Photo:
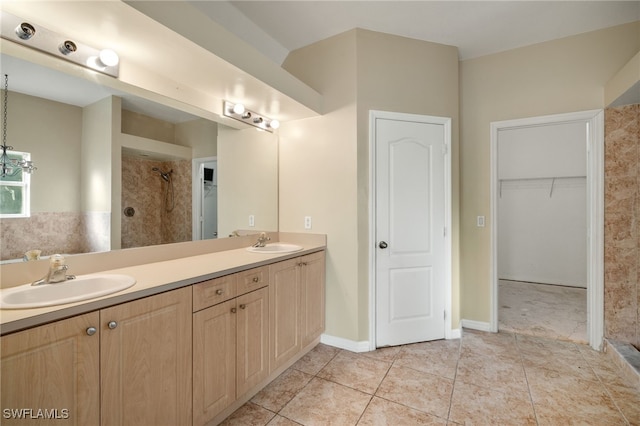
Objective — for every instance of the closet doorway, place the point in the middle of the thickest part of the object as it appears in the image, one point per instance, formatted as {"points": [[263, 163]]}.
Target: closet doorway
{"points": [[547, 233]]}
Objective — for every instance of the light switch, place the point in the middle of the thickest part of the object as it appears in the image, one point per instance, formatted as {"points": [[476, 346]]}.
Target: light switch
{"points": [[480, 221]]}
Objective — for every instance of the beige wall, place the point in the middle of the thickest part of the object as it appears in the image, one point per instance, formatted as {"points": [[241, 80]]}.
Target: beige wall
{"points": [[318, 173], [411, 76], [560, 76], [247, 180], [324, 162], [52, 133]]}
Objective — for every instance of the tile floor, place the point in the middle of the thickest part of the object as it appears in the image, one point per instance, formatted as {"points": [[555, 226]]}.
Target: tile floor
{"points": [[481, 379], [543, 310]]}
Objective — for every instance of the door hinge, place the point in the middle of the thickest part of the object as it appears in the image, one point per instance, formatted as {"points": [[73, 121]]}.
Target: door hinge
{"points": [[445, 149], [444, 231], [445, 315]]}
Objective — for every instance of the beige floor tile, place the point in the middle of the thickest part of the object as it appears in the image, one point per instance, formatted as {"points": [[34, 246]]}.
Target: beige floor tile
{"points": [[484, 378], [282, 421], [489, 344], [475, 405], [564, 357], [316, 359], [502, 374], [627, 399], [381, 412], [326, 403], [439, 357], [422, 391], [384, 354], [282, 390], [543, 310], [249, 414], [558, 397], [356, 371]]}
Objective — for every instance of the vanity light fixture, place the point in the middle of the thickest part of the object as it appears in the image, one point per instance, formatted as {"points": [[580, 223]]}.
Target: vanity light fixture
{"points": [[28, 34], [240, 113], [11, 166]]}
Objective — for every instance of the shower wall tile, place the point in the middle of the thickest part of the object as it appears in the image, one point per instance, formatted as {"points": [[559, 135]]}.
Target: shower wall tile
{"points": [[142, 191], [622, 233], [145, 191], [50, 232], [176, 224]]}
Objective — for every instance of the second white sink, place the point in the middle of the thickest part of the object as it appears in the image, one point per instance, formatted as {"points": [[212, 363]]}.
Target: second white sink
{"points": [[275, 248], [84, 287]]}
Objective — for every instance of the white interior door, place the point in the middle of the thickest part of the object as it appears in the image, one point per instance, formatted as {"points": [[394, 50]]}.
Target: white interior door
{"points": [[410, 212]]}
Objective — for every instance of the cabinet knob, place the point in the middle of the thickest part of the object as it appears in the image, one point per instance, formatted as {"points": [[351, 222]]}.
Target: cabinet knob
{"points": [[219, 292], [234, 310], [112, 324], [91, 331], [256, 279], [243, 306]]}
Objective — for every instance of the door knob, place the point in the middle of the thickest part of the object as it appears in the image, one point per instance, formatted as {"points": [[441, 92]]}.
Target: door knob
{"points": [[91, 331], [112, 325], [383, 245]]}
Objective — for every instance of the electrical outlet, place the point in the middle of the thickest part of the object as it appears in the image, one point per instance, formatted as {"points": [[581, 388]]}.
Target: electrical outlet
{"points": [[480, 221], [307, 222], [252, 220]]}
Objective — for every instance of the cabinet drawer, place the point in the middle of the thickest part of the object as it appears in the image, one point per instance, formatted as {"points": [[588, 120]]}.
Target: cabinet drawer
{"points": [[212, 292], [252, 279]]}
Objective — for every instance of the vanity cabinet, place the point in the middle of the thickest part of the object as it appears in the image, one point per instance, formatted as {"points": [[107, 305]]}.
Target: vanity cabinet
{"points": [[127, 364], [296, 297], [54, 367], [145, 353], [230, 346], [312, 278]]}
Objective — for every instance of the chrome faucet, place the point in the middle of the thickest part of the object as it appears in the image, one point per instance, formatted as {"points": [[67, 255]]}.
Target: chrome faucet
{"points": [[57, 271], [262, 240]]}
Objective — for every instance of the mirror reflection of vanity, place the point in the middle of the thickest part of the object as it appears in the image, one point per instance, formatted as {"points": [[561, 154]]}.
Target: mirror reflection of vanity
{"points": [[118, 171]]}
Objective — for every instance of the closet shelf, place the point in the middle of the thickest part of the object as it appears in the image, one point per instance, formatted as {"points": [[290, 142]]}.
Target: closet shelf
{"points": [[541, 178], [552, 178]]}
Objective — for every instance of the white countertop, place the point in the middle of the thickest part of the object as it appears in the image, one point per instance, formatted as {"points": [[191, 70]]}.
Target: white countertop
{"points": [[152, 278]]}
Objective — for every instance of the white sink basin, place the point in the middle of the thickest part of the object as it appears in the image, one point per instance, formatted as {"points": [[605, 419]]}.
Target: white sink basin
{"points": [[275, 248], [83, 287]]}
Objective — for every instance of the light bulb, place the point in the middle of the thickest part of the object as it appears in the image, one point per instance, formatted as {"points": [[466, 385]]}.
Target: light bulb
{"points": [[274, 124], [109, 58], [238, 108]]}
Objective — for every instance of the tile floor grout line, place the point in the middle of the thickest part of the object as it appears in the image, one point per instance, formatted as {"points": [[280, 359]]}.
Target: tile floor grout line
{"points": [[526, 378], [606, 388], [455, 376]]}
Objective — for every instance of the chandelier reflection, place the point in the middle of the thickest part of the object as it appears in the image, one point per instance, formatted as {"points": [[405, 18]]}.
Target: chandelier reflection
{"points": [[11, 164]]}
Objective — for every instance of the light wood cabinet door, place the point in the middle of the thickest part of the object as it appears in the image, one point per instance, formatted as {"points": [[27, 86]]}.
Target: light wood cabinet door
{"points": [[214, 360], [252, 339], [312, 277], [146, 364], [284, 308], [54, 367]]}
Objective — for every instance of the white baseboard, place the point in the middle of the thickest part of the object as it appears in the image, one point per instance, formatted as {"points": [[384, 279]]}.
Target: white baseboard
{"points": [[455, 333], [349, 345], [476, 325], [364, 346]]}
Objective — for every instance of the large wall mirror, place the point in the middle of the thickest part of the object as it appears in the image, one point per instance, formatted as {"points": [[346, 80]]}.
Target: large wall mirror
{"points": [[118, 171]]}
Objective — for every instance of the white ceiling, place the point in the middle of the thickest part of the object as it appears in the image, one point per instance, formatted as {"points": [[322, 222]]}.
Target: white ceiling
{"points": [[477, 28]]}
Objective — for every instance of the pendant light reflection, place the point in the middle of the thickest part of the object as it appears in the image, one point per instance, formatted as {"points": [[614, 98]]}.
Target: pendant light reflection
{"points": [[11, 166]]}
